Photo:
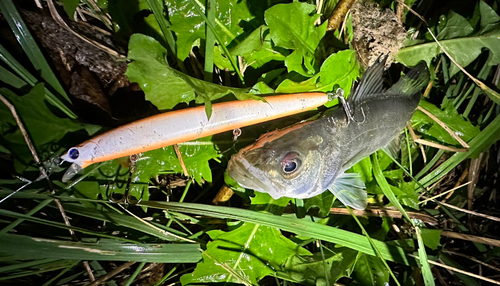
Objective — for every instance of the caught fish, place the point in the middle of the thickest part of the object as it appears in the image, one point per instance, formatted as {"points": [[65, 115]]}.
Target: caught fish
{"points": [[306, 159], [184, 125]]}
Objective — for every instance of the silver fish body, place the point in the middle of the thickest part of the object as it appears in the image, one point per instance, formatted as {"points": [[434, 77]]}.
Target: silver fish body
{"points": [[306, 159]]}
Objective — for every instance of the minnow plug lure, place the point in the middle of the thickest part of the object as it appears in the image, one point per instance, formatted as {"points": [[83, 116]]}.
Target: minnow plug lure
{"points": [[184, 125]]}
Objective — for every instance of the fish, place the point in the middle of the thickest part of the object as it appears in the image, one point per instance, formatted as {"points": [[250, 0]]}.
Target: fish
{"points": [[306, 159], [183, 125]]}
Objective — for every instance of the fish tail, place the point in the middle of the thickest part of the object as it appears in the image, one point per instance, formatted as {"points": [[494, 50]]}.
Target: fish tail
{"points": [[411, 83]]}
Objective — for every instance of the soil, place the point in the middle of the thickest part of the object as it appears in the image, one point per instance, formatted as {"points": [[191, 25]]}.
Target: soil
{"points": [[376, 32]]}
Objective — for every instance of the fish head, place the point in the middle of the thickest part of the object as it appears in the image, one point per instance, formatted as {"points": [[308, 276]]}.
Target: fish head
{"points": [[283, 165]]}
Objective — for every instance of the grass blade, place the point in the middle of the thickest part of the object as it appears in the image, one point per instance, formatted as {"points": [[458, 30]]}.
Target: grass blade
{"points": [[20, 247], [31, 80], [374, 246], [62, 264], [68, 268], [480, 143], [164, 25], [197, 5], [291, 224], [27, 264], [424, 263], [60, 225], [30, 47], [11, 79], [384, 185], [122, 220], [210, 41]]}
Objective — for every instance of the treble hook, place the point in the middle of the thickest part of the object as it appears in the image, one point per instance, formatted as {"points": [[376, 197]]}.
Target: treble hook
{"points": [[126, 197], [339, 94]]}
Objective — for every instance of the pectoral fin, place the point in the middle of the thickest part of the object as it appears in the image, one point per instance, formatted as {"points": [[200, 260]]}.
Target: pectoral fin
{"points": [[349, 188]]}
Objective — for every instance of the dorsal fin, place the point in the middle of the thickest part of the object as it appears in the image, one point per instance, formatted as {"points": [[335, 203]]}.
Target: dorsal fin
{"points": [[371, 82], [412, 82]]}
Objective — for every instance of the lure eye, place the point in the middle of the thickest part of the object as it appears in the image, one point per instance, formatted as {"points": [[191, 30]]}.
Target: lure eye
{"points": [[74, 153], [290, 164]]}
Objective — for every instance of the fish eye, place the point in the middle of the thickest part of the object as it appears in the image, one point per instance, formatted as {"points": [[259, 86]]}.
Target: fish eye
{"points": [[290, 164], [74, 153]]}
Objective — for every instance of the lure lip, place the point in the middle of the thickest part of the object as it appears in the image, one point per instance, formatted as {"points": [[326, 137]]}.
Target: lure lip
{"points": [[72, 156], [71, 172]]}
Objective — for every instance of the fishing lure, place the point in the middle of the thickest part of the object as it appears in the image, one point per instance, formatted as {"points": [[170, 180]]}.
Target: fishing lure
{"points": [[306, 159], [184, 125]]}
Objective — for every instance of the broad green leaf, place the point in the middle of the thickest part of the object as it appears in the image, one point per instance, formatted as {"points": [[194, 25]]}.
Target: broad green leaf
{"points": [[292, 27], [43, 126], [164, 86], [456, 26], [188, 30], [295, 62], [463, 49], [370, 271], [263, 201], [341, 68], [311, 270], [257, 48], [450, 116], [70, 7], [323, 201], [364, 168], [261, 88], [489, 18], [127, 19], [232, 19], [20, 247], [251, 250], [431, 237], [410, 196], [289, 86], [195, 155]]}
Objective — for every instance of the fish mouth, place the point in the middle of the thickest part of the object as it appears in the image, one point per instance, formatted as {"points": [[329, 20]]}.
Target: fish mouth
{"points": [[250, 177]]}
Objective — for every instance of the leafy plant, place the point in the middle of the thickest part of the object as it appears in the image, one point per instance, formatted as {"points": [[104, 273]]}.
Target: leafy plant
{"points": [[186, 53]]}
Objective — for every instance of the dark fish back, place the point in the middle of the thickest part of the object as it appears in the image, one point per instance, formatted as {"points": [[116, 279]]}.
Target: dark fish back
{"points": [[380, 116]]}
